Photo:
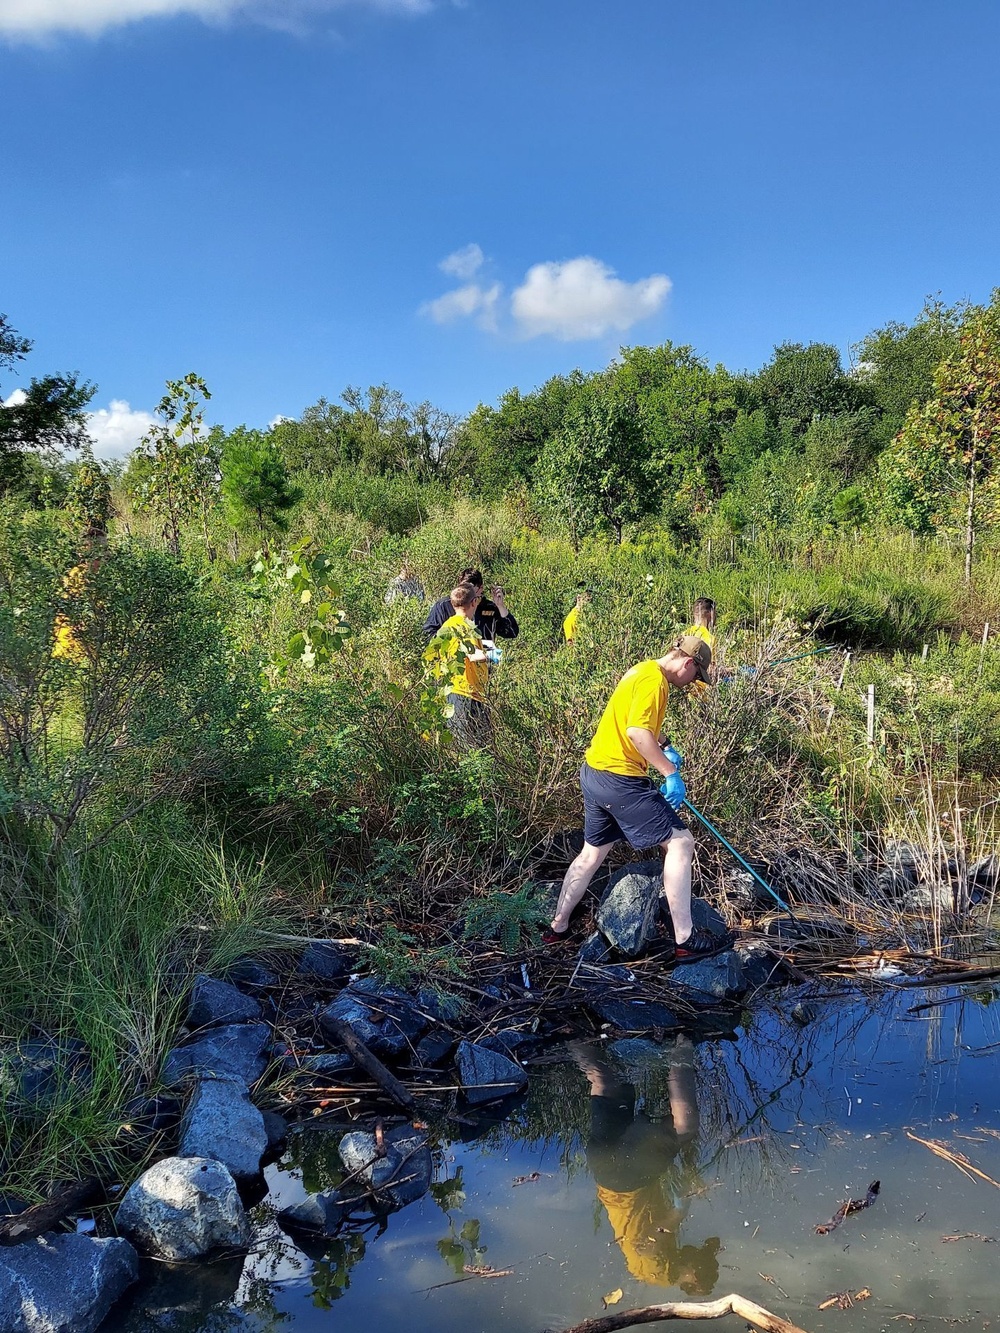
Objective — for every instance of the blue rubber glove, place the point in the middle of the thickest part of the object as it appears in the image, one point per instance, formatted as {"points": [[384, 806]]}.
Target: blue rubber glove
{"points": [[675, 758], [674, 790]]}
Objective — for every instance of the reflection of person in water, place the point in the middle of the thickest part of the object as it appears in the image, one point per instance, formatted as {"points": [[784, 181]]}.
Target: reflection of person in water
{"points": [[644, 1170]]}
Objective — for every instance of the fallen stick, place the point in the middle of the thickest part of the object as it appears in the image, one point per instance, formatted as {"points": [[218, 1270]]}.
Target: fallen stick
{"points": [[372, 1066], [956, 1158], [650, 1314], [44, 1216]]}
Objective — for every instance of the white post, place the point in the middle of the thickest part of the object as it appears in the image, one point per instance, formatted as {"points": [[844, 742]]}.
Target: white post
{"points": [[871, 714], [923, 655], [986, 632]]}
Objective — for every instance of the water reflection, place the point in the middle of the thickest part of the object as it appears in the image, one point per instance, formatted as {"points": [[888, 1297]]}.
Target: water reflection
{"points": [[643, 1158], [677, 1168]]}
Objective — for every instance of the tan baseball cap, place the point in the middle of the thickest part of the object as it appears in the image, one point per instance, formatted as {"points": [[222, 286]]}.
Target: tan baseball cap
{"points": [[699, 651]]}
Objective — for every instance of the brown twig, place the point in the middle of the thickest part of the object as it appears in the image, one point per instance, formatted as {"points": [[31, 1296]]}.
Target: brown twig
{"points": [[43, 1216], [372, 1066], [956, 1158]]}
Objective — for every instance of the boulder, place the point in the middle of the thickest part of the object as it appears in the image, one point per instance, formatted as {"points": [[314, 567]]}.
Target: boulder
{"points": [[627, 914], [34, 1073], [321, 1214], [184, 1207], [434, 1049], [326, 960], [222, 1123], [720, 978], [232, 1051], [486, 1075], [510, 1041], [402, 1173], [635, 1015], [384, 1018], [923, 899], [251, 974], [214, 1003], [594, 949], [63, 1283], [761, 965]]}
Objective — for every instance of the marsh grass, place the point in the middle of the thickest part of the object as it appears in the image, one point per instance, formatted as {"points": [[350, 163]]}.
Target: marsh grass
{"points": [[100, 950]]}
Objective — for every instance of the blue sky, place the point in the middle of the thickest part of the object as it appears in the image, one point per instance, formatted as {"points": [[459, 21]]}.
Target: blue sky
{"points": [[265, 191]]}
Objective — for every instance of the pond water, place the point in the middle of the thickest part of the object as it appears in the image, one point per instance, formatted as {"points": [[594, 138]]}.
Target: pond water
{"points": [[680, 1173]]}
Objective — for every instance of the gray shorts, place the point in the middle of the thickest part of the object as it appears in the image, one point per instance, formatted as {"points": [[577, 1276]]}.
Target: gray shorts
{"points": [[617, 807]]}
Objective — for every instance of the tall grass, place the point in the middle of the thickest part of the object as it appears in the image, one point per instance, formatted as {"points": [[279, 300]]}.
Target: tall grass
{"points": [[100, 950]]}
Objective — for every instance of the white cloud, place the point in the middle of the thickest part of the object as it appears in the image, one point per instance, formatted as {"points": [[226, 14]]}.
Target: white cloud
{"points": [[570, 300], [16, 399], [34, 19], [582, 298], [464, 263], [116, 429], [469, 302]]}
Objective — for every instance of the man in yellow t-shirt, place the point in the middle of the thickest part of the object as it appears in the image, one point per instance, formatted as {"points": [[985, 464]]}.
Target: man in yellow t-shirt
{"points": [[469, 721], [620, 801]]}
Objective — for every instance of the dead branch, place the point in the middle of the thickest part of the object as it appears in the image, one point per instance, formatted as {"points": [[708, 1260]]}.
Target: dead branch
{"points": [[372, 1066], [956, 1158], [44, 1216], [650, 1314]]}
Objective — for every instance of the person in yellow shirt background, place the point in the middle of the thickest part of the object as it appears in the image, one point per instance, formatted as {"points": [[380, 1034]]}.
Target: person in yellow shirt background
{"points": [[620, 800], [469, 721], [573, 619], [68, 643], [703, 621]]}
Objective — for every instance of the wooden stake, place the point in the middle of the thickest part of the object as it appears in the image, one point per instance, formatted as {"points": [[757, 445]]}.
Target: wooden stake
{"points": [[651, 1314], [871, 714], [986, 632], [923, 655], [372, 1066]]}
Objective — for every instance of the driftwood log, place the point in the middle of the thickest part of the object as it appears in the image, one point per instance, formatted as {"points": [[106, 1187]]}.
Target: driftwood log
{"points": [[42, 1217], [650, 1314], [372, 1066]]}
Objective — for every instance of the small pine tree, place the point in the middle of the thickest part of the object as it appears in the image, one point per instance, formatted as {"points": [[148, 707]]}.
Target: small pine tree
{"points": [[256, 491]]}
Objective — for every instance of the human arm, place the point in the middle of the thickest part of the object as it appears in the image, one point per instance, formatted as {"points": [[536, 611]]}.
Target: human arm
{"points": [[506, 626], [646, 744], [436, 617]]}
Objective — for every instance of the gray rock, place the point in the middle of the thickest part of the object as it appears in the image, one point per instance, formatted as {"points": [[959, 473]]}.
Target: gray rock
{"points": [[635, 1015], [276, 1129], [34, 1074], [705, 917], [761, 965], [628, 911], [927, 898], [233, 1051], [383, 1018], [434, 1049], [510, 1040], [486, 1075], [803, 1014], [222, 1123], [403, 1174], [721, 977], [638, 1055], [324, 1065], [214, 1003], [325, 960], [63, 1283], [182, 1208], [252, 974], [594, 948], [320, 1213]]}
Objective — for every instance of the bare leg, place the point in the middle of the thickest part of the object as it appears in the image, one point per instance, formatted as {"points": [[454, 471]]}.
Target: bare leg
{"points": [[577, 878], [678, 855], [683, 1090]]}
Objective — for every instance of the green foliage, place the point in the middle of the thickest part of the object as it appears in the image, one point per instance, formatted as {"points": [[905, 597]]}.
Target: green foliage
{"points": [[256, 492], [88, 496], [49, 417], [307, 573], [173, 473], [508, 917]]}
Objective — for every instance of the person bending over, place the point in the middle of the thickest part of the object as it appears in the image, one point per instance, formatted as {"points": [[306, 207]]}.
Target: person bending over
{"points": [[703, 621], [493, 619], [620, 800]]}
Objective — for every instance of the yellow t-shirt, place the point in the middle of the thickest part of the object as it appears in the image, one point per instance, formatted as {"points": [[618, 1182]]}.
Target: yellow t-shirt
{"points": [[639, 700], [66, 641], [701, 632], [569, 624], [471, 682], [645, 1228]]}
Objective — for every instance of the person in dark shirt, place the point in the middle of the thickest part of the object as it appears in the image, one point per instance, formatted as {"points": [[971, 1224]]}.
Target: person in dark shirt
{"points": [[493, 619]]}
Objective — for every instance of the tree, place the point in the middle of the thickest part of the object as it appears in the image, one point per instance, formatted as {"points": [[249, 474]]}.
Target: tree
{"points": [[48, 417], [256, 491], [177, 466], [801, 382], [596, 471], [949, 446]]}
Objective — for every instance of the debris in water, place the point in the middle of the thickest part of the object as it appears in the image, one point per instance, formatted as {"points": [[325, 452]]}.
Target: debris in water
{"points": [[843, 1300], [847, 1207], [970, 1235], [527, 1180], [613, 1297], [956, 1158]]}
